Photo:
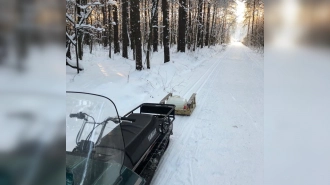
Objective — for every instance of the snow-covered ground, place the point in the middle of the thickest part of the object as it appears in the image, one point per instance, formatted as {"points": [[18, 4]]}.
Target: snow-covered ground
{"points": [[222, 141]]}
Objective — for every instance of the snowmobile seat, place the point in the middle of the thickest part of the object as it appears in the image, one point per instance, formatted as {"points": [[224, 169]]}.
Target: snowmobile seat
{"points": [[138, 135], [135, 135]]}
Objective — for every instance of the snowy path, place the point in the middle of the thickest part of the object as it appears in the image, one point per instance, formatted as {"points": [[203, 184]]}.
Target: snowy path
{"points": [[222, 141]]}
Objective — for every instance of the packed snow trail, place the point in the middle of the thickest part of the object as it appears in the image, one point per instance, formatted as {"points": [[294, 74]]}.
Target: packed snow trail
{"points": [[222, 141]]}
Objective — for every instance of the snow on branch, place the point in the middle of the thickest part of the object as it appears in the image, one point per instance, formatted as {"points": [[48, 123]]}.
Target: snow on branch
{"points": [[69, 17], [71, 37], [110, 2], [82, 26], [84, 16], [83, 6], [74, 65]]}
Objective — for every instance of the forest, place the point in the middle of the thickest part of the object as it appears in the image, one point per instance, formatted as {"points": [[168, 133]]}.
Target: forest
{"points": [[145, 26]]}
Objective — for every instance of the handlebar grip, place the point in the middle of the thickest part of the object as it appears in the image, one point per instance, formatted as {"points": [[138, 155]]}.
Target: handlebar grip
{"points": [[73, 115], [128, 119], [79, 115]]}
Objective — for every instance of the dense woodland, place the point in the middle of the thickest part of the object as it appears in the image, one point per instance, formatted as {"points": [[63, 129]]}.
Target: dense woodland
{"points": [[145, 26], [254, 21]]}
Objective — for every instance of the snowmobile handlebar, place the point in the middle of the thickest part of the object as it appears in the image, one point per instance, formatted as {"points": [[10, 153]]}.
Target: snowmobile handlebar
{"points": [[81, 115], [115, 120], [78, 115]]}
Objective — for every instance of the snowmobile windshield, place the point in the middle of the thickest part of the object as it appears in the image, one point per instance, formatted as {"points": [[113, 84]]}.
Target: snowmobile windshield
{"points": [[94, 142]]}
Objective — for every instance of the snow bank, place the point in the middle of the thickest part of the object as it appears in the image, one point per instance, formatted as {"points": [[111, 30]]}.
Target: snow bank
{"points": [[117, 78]]}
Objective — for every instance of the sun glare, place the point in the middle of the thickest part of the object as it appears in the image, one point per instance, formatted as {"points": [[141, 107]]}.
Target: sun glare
{"points": [[240, 11], [240, 31]]}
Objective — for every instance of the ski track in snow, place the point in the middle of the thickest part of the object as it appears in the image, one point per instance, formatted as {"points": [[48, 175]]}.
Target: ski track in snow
{"points": [[222, 141]]}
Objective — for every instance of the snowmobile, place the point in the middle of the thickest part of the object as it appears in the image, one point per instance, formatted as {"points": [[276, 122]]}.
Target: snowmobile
{"points": [[103, 148]]}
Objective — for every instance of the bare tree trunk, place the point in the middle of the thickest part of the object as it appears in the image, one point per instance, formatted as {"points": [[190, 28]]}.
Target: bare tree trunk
{"points": [[203, 23], [115, 30], [212, 26], [124, 27], [135, 8], [155, 25], [182, 26], [254, 7], [172, 23], [207, 30], [132, 29], [196, 28], [175, 28], [166, 31], [80, 34], [145, 28], [200, 24], [152, 20], [104, 38], [109, 29], [160, 36], [189, 32], [91, 39]]}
